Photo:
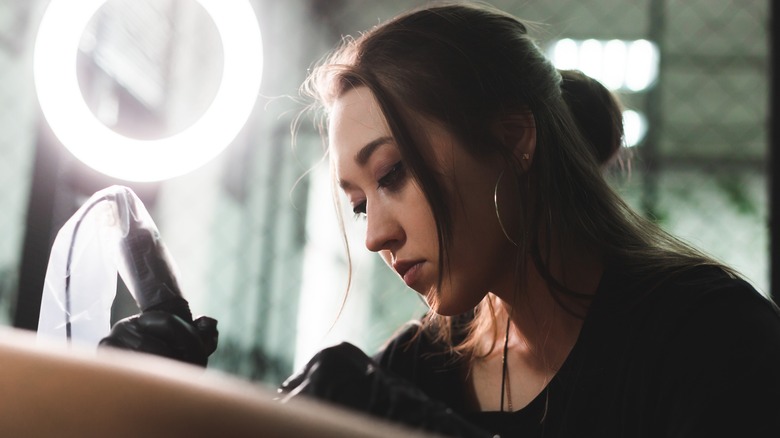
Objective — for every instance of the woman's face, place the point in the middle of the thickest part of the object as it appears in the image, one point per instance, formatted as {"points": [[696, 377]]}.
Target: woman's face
{"points": [[400, 223]]}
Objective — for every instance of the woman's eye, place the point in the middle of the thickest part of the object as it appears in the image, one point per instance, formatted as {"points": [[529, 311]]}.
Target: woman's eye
{"points": [[393, 177], [391, 180], [359, 210]]}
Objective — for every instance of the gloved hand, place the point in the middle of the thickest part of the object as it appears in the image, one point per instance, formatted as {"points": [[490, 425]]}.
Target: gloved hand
{"points": [[165, 334], [344, 375]]}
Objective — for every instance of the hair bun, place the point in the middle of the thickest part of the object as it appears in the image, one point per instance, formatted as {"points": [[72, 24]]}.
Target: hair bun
{"points": [[597, 112]]}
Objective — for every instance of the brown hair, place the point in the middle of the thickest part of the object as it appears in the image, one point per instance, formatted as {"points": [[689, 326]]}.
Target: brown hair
{"points": [[466, 66], [597, 112]]}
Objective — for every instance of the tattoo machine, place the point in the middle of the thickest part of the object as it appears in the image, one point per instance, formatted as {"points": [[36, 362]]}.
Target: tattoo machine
{"points": [[111, 233]]}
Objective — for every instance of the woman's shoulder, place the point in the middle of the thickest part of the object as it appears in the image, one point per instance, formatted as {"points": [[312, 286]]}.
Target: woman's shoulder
{"points": [[715, 288], [697, 307], [693, 287], [698, 343], [720, 344], [721, 298], [701, 305]]}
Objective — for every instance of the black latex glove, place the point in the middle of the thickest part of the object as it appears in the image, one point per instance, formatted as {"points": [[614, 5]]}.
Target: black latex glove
{"points": [[165, 334], [344, 375]]}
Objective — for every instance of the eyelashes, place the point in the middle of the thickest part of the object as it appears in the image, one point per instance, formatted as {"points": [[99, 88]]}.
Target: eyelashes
{"points": [[392, 180], [360, 211]]}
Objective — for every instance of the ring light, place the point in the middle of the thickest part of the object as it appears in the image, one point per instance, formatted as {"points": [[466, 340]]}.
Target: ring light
{"points": [[63, 106]]}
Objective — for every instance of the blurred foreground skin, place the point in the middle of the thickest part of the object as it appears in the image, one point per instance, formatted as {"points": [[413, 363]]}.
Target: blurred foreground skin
{"points": [[48, 391]]}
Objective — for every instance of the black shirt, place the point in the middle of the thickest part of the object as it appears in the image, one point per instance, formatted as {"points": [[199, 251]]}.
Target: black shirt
{"points": [[694, 354]]}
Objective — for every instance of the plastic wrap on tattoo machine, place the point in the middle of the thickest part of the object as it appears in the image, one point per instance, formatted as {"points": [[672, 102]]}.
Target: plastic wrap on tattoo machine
{"points": [[111, 233]]}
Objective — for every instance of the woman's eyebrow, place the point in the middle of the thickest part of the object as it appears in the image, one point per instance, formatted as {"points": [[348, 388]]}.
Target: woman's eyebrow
{"points": [[366, 151]]}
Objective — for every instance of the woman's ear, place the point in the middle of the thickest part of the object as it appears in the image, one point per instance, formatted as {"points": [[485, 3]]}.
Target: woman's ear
{"points": [[518, 132]]}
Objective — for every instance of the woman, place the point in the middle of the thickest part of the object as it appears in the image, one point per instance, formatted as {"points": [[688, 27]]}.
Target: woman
{"points": [[555, 309]]}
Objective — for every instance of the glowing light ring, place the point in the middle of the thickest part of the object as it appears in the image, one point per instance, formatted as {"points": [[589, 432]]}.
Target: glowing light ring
{"points": [[63, 106]]}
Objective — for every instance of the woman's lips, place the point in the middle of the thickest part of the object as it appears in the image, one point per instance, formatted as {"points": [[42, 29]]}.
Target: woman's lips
{"points": [[408, 270]]}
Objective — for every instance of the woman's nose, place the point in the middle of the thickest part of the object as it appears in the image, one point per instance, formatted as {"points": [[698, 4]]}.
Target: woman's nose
{"points": [[383, 230]]}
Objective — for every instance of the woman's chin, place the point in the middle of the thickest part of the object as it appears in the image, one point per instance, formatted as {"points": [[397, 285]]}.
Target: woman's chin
{"points": [[446, 302], [444, 307]]}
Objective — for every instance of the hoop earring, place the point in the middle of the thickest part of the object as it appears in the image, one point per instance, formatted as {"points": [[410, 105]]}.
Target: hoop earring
{"points": [[498, 215]]}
